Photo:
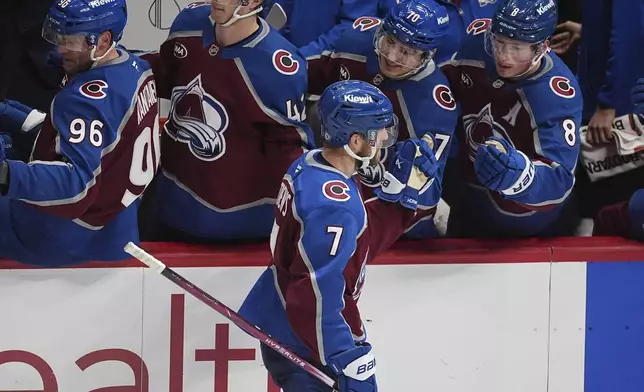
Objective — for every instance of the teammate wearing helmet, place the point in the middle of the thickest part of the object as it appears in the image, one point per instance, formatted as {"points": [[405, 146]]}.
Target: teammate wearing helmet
{"points": [[396, 54], [521, 111], [325, 234], [465, 17], [236, 95], [95, 154]]}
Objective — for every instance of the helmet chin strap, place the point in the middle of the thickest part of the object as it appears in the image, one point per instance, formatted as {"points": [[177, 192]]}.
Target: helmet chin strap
{"points": [[92, 54], [236, 15], [363, 162]]}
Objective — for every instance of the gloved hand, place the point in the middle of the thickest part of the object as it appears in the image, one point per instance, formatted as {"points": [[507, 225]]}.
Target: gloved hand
{"points": [[637, 96], [502, 168], [17, 117], [411, 171], [356, 369]]}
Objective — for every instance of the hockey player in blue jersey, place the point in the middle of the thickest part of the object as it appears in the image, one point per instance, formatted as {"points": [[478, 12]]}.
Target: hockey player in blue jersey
{"points": [[625, 219], [465, 17], [76, 199], [324, 235], [521, 113], [396, 54]]}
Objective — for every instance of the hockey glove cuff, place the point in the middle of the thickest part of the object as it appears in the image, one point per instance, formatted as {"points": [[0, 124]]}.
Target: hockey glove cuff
{"points": [[356, 369], [17, 117], [502, 168]]}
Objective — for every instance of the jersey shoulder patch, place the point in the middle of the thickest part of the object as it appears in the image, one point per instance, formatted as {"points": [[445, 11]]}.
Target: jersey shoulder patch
{"points": [[285, 62], [94, 89], [562, 87], [336, 190], [365, 23], [478, 26], [443, 97]]}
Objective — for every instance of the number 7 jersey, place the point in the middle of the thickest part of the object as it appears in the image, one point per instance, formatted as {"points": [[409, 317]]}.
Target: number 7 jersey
{"points": [[323, 237], [96, 153]]}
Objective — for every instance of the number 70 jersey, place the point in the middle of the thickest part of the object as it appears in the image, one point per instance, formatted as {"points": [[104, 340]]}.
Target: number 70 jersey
{"points": [[96, 153]]}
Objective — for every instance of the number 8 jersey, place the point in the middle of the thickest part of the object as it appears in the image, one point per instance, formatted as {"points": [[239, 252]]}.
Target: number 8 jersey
{"points": [[96, 153], [539, 115]]}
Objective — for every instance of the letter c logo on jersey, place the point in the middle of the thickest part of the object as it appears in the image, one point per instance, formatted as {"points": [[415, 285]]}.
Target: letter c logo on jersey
{"points": [[478, 26], [365, 23], [336, 190], [284, 62], [94, 89], [562, 87], [443, 97]]}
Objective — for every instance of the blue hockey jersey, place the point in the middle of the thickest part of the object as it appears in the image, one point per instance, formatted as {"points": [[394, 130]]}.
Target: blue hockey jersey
{"points": [[611, 59], [423, 102], [76, 200], [236, 123], [464, 17], [323, 237], [319, 22], [539, 115]]}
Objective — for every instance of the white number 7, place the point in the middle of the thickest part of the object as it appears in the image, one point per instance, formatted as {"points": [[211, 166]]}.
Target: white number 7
{"points": [[337, 232], [442, 144]]}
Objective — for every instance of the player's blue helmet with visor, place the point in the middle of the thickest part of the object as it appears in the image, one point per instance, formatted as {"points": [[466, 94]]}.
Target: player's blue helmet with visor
{"points": [[72, 23], [352, 106], [412, 28], [528, 22]]}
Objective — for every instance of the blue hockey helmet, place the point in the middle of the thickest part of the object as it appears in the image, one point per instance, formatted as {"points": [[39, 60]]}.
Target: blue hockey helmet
{"points": [[410, 33], [519, 31], [351, 106], [529, 21], [417, 23], [69, 22]]}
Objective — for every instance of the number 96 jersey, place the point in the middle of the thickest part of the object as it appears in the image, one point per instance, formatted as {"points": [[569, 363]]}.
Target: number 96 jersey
{"points": [[98, 150]]}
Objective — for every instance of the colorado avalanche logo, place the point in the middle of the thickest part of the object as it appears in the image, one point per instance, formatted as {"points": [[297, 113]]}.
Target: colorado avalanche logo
{"points": [[284, 62], [443, 97], [372, 176], [365, 23], [479, 127], [478, 26], [94, 89], [198, 120], [336, 190], [562, 87]]}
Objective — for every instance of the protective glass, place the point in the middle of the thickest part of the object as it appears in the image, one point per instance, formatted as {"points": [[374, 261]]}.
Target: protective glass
{"points": [[397, 52], [74, 42], [504, 48], [385, 137]]}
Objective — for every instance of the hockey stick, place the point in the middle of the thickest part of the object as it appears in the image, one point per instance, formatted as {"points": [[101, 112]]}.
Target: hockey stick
{"points": [[225, 311], [276, 17]]}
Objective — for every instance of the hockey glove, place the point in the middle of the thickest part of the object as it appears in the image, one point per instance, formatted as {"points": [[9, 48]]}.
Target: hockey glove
{"points": [[638, 97], [16, 117], [502, 168], [411, 171], [356, 370]]}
